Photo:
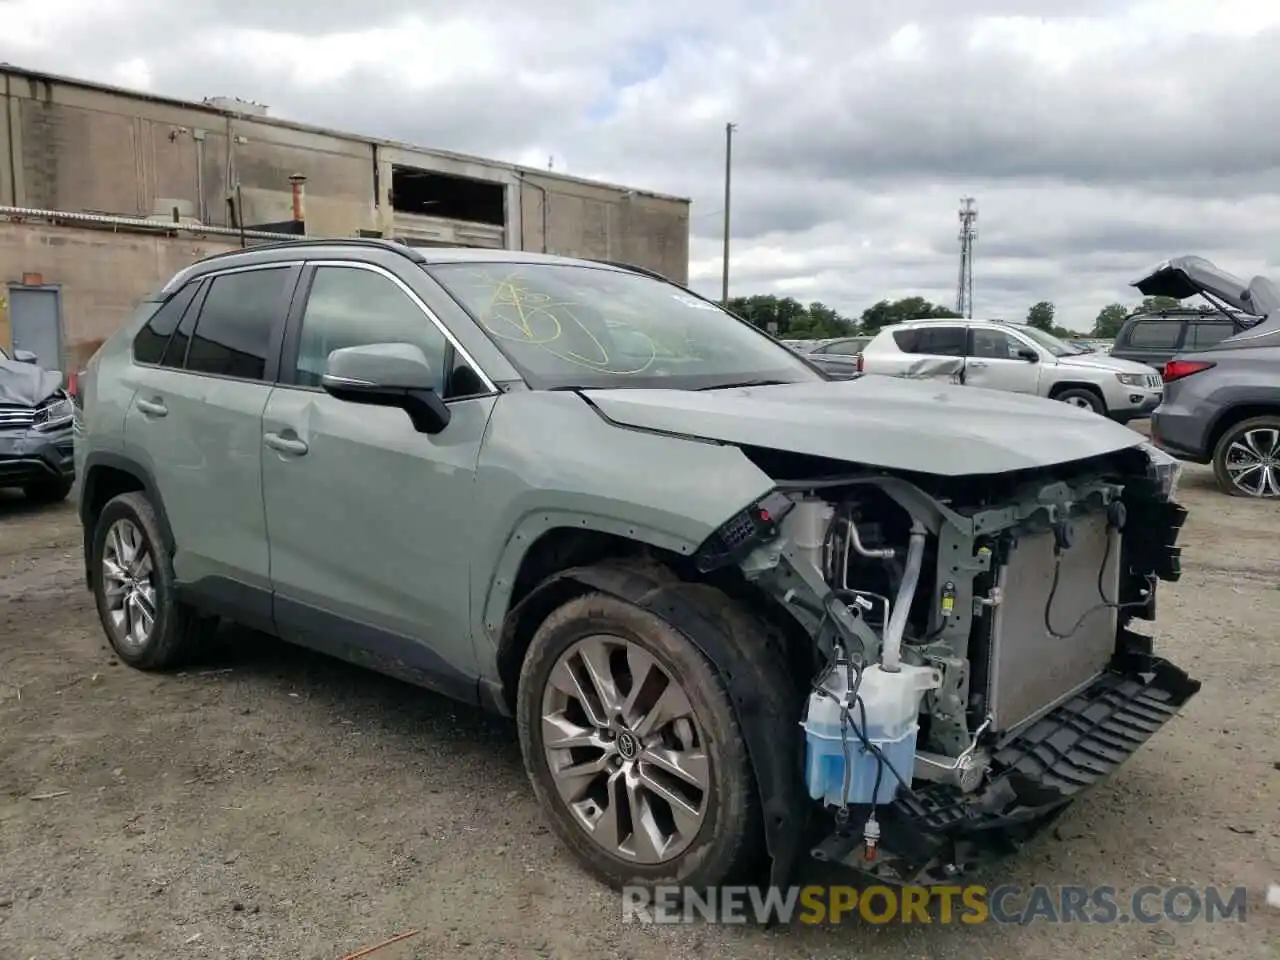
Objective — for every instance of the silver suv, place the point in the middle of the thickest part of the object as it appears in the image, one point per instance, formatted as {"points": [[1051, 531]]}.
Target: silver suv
{"points": [[1018, 358], [688, 563]]}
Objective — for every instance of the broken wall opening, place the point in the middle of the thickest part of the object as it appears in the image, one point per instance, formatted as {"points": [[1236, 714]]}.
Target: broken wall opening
{"points": [[433, 194]]}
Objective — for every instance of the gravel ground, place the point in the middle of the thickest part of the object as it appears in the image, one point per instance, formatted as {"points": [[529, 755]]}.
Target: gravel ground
{"points": [[274, 803]]}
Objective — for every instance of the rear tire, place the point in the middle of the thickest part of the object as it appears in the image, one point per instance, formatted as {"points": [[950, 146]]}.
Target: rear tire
{"points": [[47, 491], [1255, 442], [1085, 399], [709, 834], [134, 589]]}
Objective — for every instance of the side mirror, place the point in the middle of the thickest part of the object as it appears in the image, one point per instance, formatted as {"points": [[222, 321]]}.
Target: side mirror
{"points": [[25, 356], [388, 375], [1029, 355]]}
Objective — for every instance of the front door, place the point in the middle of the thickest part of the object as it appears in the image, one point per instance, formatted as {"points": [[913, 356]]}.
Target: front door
{"points": [[36, 325], [995, 362], [368, 519]]}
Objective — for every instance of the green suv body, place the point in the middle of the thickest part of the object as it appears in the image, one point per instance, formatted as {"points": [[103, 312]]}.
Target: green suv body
{"points": [[577, 494]]}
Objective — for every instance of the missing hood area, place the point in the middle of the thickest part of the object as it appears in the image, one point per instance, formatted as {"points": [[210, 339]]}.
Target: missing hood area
{"points": [[26, 384]]}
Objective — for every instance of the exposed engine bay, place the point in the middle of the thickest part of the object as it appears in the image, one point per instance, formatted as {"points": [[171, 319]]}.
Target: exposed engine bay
{"points": [[974, 667]]}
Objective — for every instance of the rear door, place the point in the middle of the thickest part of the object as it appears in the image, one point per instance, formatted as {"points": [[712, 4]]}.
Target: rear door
{"points": [[195, 420], [995, 361], [1153, 341], [933, 352]]}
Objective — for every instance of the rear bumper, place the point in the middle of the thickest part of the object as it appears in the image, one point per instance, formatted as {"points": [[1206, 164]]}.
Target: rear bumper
{"points": [[1179, 435], [940, 833], [34, 457]]}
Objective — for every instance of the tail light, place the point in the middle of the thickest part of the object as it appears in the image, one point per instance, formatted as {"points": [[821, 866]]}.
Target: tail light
{"points": [[73, 388], [1177, 369], [858, 365]]}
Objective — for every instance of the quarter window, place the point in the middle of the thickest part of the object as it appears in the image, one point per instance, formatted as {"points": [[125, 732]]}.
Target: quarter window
{"points": [[349, 307], [1205, 333], [150, 343], [233, 333]]}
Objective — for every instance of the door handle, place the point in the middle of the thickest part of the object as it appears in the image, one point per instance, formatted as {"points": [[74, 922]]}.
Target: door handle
{"points": [[290, 445], [151, 408], [977, 364]]}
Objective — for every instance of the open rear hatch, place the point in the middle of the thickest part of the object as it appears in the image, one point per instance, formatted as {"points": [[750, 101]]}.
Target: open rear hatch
{"points": [[1187, 276]]}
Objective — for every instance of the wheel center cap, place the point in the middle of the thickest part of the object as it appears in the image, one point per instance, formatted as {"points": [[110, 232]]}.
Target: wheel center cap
{"points": [[628, 745]]}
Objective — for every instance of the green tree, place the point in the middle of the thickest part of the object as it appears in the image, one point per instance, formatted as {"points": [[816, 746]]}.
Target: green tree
{"points": [[1109, 320], [884, 313], [1040, 316], [791, 319], [1156, 304]]}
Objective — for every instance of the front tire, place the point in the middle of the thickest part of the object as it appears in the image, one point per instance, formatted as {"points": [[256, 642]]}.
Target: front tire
{"points": [[633, 748], [1246, 460], [1082, 398], [135, 592]]}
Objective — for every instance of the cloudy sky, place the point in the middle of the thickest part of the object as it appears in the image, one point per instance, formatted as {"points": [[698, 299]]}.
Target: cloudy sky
{"points": [[1098, 136]]}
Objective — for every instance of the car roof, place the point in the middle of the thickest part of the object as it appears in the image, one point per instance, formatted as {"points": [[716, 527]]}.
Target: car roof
{"points": [[288, 250]]}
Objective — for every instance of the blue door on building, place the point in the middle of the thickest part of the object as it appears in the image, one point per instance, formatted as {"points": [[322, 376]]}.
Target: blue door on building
{"points": [[35, 321]]}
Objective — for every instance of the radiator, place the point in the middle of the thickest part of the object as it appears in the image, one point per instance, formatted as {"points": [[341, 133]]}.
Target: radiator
{"points": [[1030, 670]]}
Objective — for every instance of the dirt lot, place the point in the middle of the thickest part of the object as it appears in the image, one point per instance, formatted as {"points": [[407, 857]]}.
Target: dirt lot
{"points": [[273, 803]]}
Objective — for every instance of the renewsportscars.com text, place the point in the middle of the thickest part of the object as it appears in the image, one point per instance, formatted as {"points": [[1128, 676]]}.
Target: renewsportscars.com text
{"points": [[972, 904]]}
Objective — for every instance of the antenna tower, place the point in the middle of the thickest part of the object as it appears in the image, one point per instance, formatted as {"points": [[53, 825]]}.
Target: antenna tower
{"points": [[968, 233]]}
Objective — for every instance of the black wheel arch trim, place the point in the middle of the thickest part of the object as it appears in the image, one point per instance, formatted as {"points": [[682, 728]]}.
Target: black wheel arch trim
{"points": [[767, 721], [127, 465]]}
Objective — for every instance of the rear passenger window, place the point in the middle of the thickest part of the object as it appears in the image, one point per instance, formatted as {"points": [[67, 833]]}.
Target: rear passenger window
{"points": [[906, 340], [150, 342], [1162, 334], [1205, 333], [233, 333], [941, 341]]}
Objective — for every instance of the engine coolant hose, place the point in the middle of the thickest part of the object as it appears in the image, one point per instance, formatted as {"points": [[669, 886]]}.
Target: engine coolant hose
{"points": [[891, 657]]}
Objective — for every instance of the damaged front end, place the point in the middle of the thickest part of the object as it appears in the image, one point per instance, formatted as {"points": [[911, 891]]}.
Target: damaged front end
{"points": [[974, 662]]}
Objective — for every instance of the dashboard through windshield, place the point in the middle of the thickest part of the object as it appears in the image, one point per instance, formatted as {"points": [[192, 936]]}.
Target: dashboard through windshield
{"points": [[572, 325]]}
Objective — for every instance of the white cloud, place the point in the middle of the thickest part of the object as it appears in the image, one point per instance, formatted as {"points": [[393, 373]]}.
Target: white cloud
{"points": [[1098, 136]]}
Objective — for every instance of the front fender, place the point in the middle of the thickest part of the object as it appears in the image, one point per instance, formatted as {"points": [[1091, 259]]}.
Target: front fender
{"points": [[550, 461]]}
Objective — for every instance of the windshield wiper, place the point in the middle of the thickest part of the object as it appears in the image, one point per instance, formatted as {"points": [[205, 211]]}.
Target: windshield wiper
{"points": [[746, 383]]}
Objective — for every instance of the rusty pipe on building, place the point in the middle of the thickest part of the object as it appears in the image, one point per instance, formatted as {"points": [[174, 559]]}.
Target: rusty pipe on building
{"points": [[136, 223], [299, 184]]}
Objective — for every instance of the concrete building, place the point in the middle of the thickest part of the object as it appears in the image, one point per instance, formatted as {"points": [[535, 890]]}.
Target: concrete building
{"points": [[105, 192]]}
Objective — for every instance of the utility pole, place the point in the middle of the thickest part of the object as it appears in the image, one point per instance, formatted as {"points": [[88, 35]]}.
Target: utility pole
{"points": [[728, 174], [968, 233]]}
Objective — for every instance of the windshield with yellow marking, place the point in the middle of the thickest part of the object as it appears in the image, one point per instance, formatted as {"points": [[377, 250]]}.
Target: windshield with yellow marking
{"points": [[570, 325]]}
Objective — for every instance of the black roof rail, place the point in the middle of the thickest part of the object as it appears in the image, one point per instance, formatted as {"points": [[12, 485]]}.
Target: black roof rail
{"points": [[380, 243], [644, 271]]}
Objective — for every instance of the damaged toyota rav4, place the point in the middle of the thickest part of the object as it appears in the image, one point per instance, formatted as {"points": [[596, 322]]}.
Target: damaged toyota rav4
{"points": [[742, 613]]}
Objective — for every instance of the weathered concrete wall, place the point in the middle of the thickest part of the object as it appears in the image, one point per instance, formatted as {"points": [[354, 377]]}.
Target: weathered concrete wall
{"points": [[82, 149], [578, 219], [101, 275]]}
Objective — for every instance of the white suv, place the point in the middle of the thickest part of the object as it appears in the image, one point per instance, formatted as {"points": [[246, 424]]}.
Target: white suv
{"points": [[1014, 357]]}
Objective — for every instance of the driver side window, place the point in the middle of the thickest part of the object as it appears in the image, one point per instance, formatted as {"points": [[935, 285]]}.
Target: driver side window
{"points": [[351, 306]]}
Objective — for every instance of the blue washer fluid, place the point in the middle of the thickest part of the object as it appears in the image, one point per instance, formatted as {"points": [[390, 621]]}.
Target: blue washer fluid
{"points": [[892, 702]]}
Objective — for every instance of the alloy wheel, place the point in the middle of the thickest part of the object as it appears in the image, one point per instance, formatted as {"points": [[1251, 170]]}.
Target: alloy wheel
{"points": [[1253, 462], [128, 584], [625, 750]]}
